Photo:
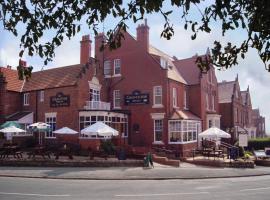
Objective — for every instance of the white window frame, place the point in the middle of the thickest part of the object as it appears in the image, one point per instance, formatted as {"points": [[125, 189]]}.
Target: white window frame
{"points": [[41, 96], [117, 66], [95, 93], [26, 98], [158, 129], [116, 98], [207, 101], [107, 69], [163, 63], [192, 127], [157, 92], [174, 94], [49, 119], [213, 102], [117, 121], [185, 100]]}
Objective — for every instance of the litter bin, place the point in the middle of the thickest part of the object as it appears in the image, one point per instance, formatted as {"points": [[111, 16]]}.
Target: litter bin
{"points": [[122, 154]]}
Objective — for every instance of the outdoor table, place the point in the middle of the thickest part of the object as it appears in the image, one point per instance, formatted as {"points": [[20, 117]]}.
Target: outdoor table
{"points": [[218, 153], [10, 150], [40, 150], [63, 152], [206, 152], [97, 153]]}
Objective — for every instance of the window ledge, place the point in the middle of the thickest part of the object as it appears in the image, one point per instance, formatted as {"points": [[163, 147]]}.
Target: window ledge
{"points": [[157, 106], [107, 76], [116, 108], [50, 137], [116, 75], [158, 143], [188, 142]]}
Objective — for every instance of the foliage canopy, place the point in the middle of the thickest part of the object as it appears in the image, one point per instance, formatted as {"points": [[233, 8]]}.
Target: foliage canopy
{"points": [[65, 18]]}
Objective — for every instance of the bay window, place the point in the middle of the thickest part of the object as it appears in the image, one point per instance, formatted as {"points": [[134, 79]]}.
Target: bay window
{"points": [[183, 131]]}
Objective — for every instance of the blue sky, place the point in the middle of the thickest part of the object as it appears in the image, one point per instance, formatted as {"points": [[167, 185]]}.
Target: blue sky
{"points": [[251, 70]]}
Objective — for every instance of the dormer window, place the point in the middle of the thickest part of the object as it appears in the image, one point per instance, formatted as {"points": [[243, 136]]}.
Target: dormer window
{"points": [[163, 63]]}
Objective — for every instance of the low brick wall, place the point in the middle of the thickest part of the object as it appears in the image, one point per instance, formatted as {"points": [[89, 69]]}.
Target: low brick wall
{"points": [[71, 163], [222, 164], [209, 163], [166, 161], [240, 164], [263, 163]]}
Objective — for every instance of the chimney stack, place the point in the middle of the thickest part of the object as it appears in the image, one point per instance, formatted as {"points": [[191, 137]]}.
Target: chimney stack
{"points": [[143, 35], [99, 40], [22, 63], [85, 49]]}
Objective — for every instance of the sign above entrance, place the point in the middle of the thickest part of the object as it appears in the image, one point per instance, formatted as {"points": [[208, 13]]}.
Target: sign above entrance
{"points": [[60, 100], [137, 98]]}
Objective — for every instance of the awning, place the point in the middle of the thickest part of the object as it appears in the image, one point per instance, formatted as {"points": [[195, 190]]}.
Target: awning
{"points": [[24, 117], [184, 114]]}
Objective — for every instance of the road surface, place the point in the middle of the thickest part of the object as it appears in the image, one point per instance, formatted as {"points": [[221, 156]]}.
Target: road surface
{"points": [[248, 188]]}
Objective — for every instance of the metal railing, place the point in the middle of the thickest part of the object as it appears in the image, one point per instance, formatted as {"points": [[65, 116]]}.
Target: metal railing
{"points": [[97, 105]]}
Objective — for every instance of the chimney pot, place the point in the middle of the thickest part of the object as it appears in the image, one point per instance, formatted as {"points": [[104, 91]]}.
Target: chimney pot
{"points": [[143, 35], [22, 63], [85, 49]]}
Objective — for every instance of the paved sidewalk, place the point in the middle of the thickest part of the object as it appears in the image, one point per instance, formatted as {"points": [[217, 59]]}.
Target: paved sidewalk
{"points": [[186, 171]]}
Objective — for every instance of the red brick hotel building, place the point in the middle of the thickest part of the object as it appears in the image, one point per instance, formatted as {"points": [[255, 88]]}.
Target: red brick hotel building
{"points": [[150, 97]]}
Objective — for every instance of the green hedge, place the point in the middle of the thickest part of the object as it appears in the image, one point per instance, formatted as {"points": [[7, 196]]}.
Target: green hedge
{"points": [[258, 144]]}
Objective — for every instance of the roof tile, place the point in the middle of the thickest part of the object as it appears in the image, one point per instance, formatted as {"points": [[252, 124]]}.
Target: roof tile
{"points": [[52, 78], [12, 79]]}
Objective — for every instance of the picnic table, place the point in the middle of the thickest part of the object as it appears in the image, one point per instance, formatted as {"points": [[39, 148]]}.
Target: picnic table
{"points": [[39, 150], [63, 152], [6, 151], [97, 153], [208, 152]]}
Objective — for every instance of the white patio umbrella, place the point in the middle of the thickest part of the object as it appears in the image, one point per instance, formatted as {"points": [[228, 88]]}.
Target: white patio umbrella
{"points": [[100, 129], [214, 133], [65, 130], [10, 130], [40, 126]]}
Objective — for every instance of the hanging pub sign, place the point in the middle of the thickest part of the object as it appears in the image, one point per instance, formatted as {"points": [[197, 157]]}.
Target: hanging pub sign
{"points": [[137, 98], [60, 100]]}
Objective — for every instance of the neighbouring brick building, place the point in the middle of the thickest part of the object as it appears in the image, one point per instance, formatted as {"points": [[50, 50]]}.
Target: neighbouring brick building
{"points": [[236, 111], [259, 122], [202, 91], [231, 107]]}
